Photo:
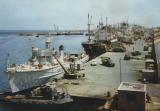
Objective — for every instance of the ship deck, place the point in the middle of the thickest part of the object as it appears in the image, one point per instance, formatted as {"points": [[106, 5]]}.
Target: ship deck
{"points": [[100, 79]]}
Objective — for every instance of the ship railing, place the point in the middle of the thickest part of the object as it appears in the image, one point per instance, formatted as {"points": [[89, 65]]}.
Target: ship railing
{"points": [[11, 65]]}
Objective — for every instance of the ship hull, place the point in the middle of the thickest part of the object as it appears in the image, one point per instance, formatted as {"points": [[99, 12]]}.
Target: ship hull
{"points": [[17, 106], [24, 80], [20, 81], [94, 49]]}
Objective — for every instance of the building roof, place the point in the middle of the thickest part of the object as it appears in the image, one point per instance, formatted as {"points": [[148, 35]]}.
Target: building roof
{"points": [[137, 87]]}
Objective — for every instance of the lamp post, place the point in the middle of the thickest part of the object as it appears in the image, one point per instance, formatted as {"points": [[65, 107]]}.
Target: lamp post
{"points": [[120, 70]]}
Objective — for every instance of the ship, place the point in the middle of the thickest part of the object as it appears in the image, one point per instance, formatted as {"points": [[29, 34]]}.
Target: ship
{"points": [[98, 42], [48, 96], [106, 38], [40, 67]]}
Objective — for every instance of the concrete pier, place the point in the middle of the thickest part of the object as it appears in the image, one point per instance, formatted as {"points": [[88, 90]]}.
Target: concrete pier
{"points": [[100, 79]]}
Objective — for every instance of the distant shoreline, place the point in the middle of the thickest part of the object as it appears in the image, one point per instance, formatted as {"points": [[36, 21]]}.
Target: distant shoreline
{"points": [[42, 32]]}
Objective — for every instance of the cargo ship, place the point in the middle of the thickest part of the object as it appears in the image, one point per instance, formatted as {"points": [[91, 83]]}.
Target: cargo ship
{"points": [[108, 38], [98, 44]]}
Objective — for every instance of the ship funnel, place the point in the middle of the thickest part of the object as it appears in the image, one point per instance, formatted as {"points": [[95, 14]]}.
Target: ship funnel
{"points": [[61, 50], [61, 47]]}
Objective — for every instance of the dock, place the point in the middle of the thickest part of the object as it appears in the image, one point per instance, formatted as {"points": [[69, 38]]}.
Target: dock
{"points": [[102, 82], [100, 79]]}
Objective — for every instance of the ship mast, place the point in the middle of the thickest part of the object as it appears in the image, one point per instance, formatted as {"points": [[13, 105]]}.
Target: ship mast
{"points": [[8, 61], [48, 41], [89, 28], [48, 46]]}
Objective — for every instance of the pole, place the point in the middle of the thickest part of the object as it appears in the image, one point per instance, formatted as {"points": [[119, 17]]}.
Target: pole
{"points": [[89, 30], [120, 71], [106, 30]]}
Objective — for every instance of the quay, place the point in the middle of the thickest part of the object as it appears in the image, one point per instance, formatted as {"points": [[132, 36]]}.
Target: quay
{"points": [[103, 83], [100, 79]]}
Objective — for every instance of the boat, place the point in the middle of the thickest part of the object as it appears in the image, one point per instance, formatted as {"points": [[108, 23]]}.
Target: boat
{"points": [[98, 45], [107, 38], [101, 42], [48, 95], [40, 67]]}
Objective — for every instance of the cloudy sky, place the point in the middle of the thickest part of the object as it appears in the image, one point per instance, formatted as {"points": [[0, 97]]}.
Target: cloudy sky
{"points": [[72, 14]]}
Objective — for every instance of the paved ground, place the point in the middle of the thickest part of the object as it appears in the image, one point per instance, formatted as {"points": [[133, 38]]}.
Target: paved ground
{"points": [[101, 79], [154, 92]]}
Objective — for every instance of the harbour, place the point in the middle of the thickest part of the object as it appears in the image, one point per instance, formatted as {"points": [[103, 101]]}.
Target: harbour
{"points": [[100, 80], [58, 56]]}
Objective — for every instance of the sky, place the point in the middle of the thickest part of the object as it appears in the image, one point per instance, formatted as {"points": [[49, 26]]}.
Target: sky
{"points": [[72, 14]]}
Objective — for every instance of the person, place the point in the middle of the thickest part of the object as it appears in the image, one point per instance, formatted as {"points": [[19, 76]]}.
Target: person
{"points": [[148, 98]]}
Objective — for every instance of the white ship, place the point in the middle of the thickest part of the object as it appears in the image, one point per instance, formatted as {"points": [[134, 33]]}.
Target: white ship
{"points": [[39, 68]]}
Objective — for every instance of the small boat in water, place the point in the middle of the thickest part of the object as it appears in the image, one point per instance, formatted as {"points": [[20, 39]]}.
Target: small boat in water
{"points": [[40, 67], [48, 95]]}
